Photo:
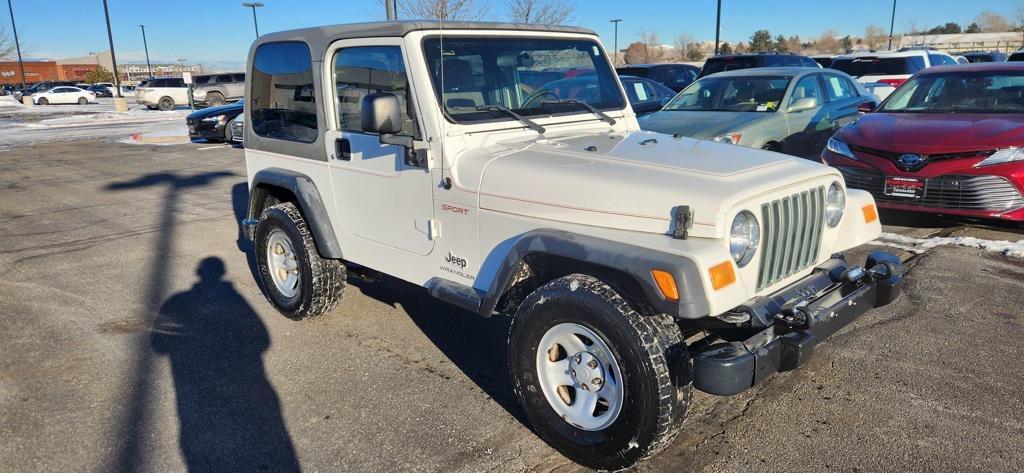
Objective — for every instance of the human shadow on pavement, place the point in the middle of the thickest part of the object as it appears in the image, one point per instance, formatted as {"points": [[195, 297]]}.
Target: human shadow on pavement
{"points": [[477, 345], [229, 413]]}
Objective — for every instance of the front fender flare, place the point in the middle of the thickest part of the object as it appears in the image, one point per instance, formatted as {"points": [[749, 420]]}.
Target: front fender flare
{"points": [[635, 261]]}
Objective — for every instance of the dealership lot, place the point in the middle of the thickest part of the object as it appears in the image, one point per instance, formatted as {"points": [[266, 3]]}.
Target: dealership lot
{"points": [[112, 246]]}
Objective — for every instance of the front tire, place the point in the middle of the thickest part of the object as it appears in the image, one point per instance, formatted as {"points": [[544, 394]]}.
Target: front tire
{"points": [[43, 101], [576, 340], [296, 280]]}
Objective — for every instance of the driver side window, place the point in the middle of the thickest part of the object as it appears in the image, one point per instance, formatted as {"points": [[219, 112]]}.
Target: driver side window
{"points": [[364, 70]]}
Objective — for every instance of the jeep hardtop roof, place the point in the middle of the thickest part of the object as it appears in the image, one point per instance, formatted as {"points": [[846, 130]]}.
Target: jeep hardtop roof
{"points": [[319, 37]]}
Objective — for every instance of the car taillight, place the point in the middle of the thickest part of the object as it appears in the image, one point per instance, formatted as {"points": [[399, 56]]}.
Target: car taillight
{"points": [[893, 82]]}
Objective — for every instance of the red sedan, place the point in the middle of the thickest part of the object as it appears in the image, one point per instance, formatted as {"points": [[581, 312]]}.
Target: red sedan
{"points": [[949, 141]]}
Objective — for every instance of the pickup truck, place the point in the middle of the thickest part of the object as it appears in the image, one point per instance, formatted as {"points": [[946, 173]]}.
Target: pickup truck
{"points": [[634, 265]]}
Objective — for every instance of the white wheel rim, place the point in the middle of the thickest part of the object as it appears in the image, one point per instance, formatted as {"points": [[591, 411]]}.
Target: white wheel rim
{"points": [[282, 263], [580, 377]]}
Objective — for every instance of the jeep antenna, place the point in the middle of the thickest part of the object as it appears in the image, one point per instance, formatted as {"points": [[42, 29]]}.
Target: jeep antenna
{"points": [[446, 182]]}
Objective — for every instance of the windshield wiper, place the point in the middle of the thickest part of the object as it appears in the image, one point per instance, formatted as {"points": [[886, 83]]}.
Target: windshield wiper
{"points": [[526, 121], [591, 109]]}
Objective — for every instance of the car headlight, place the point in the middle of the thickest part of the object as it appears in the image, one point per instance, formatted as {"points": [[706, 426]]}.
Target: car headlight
{"points": [[744, 237], [835, 204], [731, 138], [215, 119], [1006, 155], [840, 148]]}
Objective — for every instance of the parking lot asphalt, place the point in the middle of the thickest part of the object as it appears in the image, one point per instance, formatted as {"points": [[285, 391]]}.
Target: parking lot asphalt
{"points": [[134, 338]]}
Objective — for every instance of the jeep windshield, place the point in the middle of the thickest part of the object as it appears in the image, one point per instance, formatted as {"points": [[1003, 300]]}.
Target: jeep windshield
{"points": [[474, 76], [959, 92], [731, 94]]}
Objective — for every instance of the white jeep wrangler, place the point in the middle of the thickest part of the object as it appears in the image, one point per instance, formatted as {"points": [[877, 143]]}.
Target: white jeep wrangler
{"points": [[501, 167]]}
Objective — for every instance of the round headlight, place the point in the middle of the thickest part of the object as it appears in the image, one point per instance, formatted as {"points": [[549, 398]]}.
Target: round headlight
{"points": [[835, 204], [744, 237]]}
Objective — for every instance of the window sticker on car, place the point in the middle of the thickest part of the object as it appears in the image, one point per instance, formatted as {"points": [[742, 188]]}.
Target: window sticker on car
{"points": [[762, 108], [837, 89], [641, 94]]}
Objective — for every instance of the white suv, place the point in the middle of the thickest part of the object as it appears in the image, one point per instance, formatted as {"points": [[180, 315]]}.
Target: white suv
{"points": [[162, 93], [634, 265], [883, 72]]}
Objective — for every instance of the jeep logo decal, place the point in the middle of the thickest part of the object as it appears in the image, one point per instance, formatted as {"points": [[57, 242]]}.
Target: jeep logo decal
{"points": [[455, 260]]}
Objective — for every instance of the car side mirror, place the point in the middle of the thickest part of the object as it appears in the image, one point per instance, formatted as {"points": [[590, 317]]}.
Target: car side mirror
{"points": [[806, 103], [866, 107], [382, 114]]}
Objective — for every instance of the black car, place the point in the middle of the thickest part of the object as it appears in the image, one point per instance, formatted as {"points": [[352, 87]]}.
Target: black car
{"points": [[212, 123], [984, 56], [100, 90], [747, 61], [673, 76], [7, 89], [645, 95]]}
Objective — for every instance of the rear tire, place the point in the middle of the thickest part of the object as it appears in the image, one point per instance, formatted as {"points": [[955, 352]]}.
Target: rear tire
{"points": [[165, 104], [647, 402], [296, 280], [83, 101], [215, 99]]}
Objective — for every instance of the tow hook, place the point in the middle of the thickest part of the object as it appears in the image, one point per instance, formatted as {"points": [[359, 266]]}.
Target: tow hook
{"points": [[794, 314]]}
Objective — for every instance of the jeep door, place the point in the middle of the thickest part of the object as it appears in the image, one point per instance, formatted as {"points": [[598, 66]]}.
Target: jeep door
{"points": [[380, 195]]}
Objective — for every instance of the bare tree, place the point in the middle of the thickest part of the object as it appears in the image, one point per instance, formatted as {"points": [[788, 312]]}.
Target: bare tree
{"points": [[450, 10], [828, 43], [652, 51], [992, 22], [542, 12], [911, 26], [875, 37], [683, 43], [7, 50]]}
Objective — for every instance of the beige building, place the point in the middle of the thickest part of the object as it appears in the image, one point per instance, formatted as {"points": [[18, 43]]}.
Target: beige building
{"points": [[131, 73], [962, 42]]}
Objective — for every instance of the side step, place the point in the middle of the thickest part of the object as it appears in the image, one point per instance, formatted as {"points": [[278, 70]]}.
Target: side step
{"points": [[456, 294]]}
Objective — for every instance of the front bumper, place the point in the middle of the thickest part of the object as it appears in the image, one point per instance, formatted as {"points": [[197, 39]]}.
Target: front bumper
{"points": [[203, 129], [799, 317]]}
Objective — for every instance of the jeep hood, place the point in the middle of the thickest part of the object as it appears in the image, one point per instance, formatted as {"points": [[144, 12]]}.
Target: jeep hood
{"points": [[628, 181]]}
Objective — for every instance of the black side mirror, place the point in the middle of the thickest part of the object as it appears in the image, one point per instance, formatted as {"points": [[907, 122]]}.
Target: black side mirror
{"points": [[381, 114], [866, 107]]}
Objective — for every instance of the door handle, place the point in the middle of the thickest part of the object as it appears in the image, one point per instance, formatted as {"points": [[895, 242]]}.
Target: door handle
{"points": [[343, 149]]}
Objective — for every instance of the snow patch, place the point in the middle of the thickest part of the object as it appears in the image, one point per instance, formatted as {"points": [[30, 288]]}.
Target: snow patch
{"points": [[8, 101], [921, 245]]}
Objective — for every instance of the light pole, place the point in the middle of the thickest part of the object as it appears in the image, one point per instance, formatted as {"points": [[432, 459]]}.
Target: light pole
{"points": [[17, 45], [254, 6], [892, 23], [149, 68], [718, 26], [616, 22], [113, 59]]}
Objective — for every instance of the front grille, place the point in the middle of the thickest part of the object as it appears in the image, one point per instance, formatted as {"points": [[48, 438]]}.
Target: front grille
{"points": [[960, 192], [791, 235], [927, 158]]}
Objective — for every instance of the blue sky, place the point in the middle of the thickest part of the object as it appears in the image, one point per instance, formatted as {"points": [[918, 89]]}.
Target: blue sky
{"points": [[221, 30]]}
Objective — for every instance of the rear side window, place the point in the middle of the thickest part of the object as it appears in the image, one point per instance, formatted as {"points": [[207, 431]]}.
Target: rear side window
{"points": [[875, 66], [775, 61], [199, 80], [838, 88], [282, 99], [239, 77], [224, 79], [1016, 57]]}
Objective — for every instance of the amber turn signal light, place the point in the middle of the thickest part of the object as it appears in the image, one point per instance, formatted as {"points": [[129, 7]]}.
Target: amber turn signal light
{"points": [[870, 213], [666, 283], [722, 275]]}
